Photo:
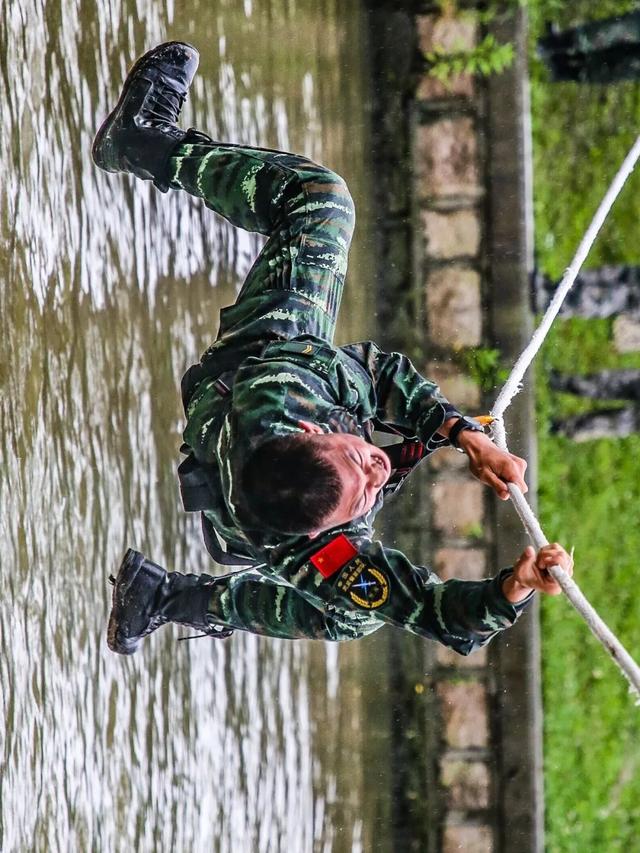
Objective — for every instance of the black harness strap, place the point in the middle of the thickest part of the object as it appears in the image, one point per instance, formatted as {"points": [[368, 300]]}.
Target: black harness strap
{"points": [[403, 458], [194, 485]]}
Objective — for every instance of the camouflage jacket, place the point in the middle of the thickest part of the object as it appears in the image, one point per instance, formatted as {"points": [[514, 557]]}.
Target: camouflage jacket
{"points": [[356, 388]]}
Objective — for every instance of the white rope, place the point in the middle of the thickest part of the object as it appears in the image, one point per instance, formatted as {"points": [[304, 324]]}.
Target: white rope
{"points": [[513, 383], [598, 627], [512, 386]]}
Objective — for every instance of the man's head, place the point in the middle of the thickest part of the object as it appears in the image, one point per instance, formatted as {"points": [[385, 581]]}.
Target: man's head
{"points": [[312, 481]]}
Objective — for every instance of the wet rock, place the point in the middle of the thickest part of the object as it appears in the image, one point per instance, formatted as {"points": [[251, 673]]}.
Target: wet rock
{"points": [[451, 235], [449, 33], [470, 839], [626, 334], [452, 660], [457, 507], [460, 389], [453, 35], [464, 712], [446, 159], [454, 308], [466, 563], [466, 784]]}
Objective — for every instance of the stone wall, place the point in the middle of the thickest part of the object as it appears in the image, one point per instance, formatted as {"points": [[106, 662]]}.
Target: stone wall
{"points": [[450, 191], [444, 221]]}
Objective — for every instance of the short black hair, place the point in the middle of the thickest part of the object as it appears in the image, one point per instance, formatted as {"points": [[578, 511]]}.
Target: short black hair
{"points": [[290, 484]]}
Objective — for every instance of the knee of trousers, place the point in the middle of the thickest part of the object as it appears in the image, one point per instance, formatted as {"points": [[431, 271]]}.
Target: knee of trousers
{"points": [[328, 195]]}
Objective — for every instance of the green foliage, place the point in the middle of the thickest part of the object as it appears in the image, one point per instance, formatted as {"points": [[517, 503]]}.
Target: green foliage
{"points": [[484, 367], [487, 57], [587, 492], [474, 531], [587, 496], [580, 139]]}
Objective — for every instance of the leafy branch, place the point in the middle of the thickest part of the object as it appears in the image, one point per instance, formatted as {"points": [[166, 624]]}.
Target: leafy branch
{"points": [[487, 57], [483, 365]]}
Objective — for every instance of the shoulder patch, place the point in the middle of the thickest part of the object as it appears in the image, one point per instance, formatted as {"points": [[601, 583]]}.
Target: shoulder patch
{"points": [[301, 347], [314, 355], [364, 584], [333, 556]]}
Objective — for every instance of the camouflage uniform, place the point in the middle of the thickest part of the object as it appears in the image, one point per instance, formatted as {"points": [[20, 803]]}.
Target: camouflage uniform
{"points": [[272, 365], [604, 51]]}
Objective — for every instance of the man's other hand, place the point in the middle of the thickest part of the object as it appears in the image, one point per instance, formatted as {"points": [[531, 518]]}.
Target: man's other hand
{"points": [[532, 572], [493, 466]]}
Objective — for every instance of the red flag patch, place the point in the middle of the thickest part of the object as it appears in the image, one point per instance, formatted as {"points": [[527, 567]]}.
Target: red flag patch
{"points": [[334, 556]]}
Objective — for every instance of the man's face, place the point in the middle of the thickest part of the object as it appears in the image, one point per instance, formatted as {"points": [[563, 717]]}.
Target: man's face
{"points": [[363, 470]]}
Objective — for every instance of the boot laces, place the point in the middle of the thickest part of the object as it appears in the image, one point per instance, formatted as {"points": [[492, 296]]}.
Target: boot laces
{"points": [[216, 632], [154, 622], [167, 104]]}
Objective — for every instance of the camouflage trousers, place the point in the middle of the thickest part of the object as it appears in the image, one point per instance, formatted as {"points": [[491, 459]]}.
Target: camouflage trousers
{"points": [[306, 212], [293, 288]]}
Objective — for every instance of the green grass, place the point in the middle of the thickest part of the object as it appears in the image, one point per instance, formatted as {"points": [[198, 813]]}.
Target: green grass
{"points": [[586, 134], [589, 493]]}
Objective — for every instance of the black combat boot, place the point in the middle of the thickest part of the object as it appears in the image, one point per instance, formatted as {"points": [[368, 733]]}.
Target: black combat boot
{"points": [[140, 134], [145, 596]]}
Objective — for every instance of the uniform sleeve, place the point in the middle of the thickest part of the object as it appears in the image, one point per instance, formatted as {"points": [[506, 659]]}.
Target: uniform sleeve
{"points": [[404, 399], [383, 584], [461, 614]]}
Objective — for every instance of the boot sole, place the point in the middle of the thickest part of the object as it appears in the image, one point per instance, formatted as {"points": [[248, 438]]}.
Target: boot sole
{"points": [[101, 148], [127, 573]]}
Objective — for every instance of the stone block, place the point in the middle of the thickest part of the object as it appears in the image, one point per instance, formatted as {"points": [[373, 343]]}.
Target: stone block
{"points": [[467, 784], [626, 334], [432, 89], [452, 234], [452, 34], [456, 386], [446, 159], [454, 308], [447, 460], [467, 839], [463, 706], [458, 507], [452, 660], [469, 564]]}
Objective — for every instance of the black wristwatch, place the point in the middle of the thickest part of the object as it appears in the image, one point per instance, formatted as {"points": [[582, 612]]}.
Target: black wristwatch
{"points": [[460, 425]]}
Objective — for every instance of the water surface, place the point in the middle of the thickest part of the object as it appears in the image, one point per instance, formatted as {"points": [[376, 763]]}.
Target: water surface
{"points": [[109, 291]]}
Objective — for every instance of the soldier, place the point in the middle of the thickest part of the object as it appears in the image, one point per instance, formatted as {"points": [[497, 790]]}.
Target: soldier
{"points": [[279, 456], [605, 51], [621, 384]]}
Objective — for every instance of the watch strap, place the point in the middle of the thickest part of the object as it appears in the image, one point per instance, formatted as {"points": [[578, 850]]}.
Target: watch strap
{"points": [[460, 425]]}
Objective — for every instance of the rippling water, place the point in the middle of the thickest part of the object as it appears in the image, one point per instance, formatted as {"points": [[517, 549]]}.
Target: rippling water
{"points": [[108, 292]]}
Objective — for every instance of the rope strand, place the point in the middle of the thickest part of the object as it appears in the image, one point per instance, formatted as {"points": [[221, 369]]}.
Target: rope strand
{"points": [[513, 385]]}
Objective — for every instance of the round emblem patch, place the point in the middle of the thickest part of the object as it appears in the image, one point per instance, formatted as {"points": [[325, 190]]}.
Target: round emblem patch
{"points": [[365, 585]]}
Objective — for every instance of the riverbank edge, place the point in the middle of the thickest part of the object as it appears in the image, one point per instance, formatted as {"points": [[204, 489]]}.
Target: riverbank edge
{"points": [[454, 242]]}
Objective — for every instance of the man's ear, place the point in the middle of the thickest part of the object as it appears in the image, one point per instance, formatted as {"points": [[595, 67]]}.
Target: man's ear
{"points": [[314, 534], [307, 426]]}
